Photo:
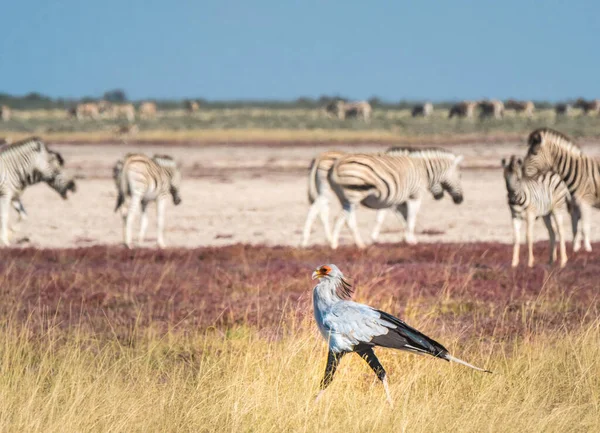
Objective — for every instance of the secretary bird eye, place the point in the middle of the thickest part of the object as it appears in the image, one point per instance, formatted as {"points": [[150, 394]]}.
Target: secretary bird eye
{"points": [[348, 327]]}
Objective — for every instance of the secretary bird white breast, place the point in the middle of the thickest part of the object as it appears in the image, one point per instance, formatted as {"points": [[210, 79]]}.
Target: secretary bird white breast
{"points": [[348, 326]]}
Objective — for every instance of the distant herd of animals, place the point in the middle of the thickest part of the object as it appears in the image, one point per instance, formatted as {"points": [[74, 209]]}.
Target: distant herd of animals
{"points": [[553, 176], [339, 109]]}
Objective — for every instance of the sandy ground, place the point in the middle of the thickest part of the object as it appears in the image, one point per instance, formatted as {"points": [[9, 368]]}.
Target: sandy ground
{"points": [[257, 195]]}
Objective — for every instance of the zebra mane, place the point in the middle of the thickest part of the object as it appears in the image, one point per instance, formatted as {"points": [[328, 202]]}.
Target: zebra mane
{"points": [[424, 152], [548, 135], [164, 160], [31, 143]]}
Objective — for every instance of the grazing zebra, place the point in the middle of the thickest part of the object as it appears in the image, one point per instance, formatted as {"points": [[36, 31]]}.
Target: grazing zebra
{"points": [[26, 163], [344, 110], [563, 109], [549, 150], [493, 108], [528, 199], [5, 113], [588, 107], [525, 107], [464, 109], [145, 179], [147, 110], [383, 181], [424, 110]]}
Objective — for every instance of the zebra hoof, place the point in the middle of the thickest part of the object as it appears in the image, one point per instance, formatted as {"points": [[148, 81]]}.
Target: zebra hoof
{"points": [[588, 248]]}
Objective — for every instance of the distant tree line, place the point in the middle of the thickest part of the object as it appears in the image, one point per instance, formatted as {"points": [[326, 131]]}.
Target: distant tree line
{"points": [[37, 101]]}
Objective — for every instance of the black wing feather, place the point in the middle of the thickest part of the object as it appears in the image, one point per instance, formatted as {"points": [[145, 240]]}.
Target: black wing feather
{"points": [[404, 335]]}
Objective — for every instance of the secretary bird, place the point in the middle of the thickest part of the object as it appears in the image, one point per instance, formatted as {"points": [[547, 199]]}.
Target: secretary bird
{"points": [[352, 327]]}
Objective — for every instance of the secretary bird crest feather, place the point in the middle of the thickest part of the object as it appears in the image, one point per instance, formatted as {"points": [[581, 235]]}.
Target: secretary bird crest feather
{"points": [[348, 327]]}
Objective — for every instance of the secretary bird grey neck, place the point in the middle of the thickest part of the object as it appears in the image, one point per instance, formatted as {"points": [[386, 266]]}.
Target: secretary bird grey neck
{"points": [[348, 327]]}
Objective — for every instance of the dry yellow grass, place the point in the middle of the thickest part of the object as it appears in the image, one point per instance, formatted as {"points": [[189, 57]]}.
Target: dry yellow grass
{"points": [[242, 381]]}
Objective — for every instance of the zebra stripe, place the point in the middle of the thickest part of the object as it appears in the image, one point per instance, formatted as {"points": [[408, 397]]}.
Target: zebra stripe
{"points": [[530, 198], [26, 163], [145, 179], [549, 150], [381, 181]]}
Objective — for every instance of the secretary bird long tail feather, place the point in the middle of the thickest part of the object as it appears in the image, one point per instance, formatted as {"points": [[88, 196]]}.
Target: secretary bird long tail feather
{"points": [[460, 361]]}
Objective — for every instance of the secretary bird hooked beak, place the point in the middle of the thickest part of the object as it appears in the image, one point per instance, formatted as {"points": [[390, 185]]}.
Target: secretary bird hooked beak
{"points": [[349, 327]]}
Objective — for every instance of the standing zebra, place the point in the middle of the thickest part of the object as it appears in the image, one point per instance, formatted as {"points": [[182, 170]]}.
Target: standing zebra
{"points": [[26, 163], [549, 150], [382, 181], [146, 179], [529, 199]]}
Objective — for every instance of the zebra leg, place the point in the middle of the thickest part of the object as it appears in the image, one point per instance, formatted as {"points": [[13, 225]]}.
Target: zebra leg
{"points": [[575, 217], [585, 222], [552, 237], [160, 221], [529, 235], [558, 221], [337, 228], [143, 221], [310, 218], [324, 215], [4, 212], [134, 204], [378, 223], [353, 226], [413, 206], [516, 241]]}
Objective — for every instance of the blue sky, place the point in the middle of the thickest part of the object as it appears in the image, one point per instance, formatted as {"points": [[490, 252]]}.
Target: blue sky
{"points": [[278, 49]]}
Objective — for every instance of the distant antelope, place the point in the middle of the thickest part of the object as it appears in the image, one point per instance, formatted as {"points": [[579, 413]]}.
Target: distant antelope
{"points": [[192, 106], [126, 110], [525, 107], [464, 109], [493, 108], [145, 179], [343, 110], [529, 198], [424, 110], [147, 110], [85, 110], [588, 107], [5, 113]]}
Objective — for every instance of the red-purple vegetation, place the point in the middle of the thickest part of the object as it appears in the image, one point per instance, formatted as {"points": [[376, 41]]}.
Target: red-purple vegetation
{"points": [[469, 288]]}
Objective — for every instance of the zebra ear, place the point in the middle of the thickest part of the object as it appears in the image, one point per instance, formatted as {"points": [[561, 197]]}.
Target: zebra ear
{"points": [[458, 160]]}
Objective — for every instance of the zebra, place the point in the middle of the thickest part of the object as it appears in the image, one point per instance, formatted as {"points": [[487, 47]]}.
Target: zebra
{"points": [[463, 109], [493, 108], [319, 191], [145, 179], [525, 107], [25, 163], [424, 110], [550, 150], [530, 198], [382, 181]]}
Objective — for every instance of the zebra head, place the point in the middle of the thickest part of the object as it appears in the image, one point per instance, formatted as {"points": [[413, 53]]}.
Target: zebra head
{"points": [[513, 173], [169, 164], [174, 187], [54, 175], [449, 181], [545, 146]]}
